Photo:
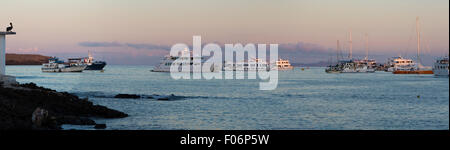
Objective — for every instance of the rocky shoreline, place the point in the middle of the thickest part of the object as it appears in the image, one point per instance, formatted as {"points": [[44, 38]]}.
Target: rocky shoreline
{"points": [[30, 107]]}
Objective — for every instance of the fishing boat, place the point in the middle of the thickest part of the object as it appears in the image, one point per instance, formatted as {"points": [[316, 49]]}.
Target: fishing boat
{"points": [[441, 67], [91, 64], [417, 68], [55, 65]]}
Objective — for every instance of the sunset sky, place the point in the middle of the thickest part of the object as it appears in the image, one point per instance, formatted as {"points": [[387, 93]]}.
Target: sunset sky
{"points": [[139, 31]]}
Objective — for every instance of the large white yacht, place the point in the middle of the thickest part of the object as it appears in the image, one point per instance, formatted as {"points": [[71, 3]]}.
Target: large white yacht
{"points": [[167, 61], [440, 67], [355, 66], [253, 64], [400, 63], [282, 64]]}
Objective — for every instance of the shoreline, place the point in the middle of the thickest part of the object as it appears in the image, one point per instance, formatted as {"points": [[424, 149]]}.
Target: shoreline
{"points": [[30, 107]]}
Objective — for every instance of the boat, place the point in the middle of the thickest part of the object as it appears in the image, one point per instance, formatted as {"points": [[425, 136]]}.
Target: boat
{"points": [[354, 66], [93, 65], [399, 63], [253, 64], [333, 69], [440, 67], [55, 65], [351, 65], [167, 61], [418, 68], [283, 64]]}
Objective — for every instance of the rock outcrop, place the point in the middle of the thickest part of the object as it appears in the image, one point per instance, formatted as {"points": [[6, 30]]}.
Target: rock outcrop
{"points": [[27, 106]]}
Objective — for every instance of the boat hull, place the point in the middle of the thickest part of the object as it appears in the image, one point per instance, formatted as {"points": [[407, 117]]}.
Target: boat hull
{"points": [[67, 69], [413, 72], [96, 66]]}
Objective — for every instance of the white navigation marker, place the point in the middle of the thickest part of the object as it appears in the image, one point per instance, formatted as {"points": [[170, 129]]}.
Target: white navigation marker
{"points": [[4, 79], [3, 49]]}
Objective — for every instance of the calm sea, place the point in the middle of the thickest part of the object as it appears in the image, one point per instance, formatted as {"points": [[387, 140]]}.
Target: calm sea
{"points": [[309, 99]]}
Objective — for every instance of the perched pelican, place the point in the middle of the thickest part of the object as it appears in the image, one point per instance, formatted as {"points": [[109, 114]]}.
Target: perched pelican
{"points": [[8, 29]]}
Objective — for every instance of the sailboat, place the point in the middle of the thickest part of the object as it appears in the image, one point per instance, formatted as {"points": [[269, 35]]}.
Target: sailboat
{"points": [[351, 65], [418, 68]]}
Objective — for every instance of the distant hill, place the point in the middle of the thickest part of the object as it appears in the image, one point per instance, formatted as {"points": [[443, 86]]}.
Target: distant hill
{"points": [[26, 59], [317, 64]]}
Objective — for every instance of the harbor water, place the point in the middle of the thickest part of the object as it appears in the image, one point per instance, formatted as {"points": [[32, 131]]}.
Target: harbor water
{"points": [[304, 99]]}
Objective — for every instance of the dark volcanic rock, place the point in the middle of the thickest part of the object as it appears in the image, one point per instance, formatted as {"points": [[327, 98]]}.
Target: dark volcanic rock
{"points": [[132, 96], [18, 104], [163, 98], [100, 126]]}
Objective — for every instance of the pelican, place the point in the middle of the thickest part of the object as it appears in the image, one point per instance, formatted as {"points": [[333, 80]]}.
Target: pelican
{"points": [[8, 29]]}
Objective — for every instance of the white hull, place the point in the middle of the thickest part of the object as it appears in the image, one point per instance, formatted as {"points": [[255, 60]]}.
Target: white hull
{"points": [[441, 67], [282, 64], [65, 69], [167, 69], [441, 73]]}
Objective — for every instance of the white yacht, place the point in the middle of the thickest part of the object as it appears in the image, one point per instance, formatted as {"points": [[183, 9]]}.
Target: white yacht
{"points": [[350, 66], [253, 64], [400, 63], [167, 61], [353, 66], [283, 64], [440, 67], [55, 65]]}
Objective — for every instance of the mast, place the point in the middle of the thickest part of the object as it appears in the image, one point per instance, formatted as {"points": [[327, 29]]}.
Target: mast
{"points": [[351, 45], [367, 46], [337, 51], [418, 39]]}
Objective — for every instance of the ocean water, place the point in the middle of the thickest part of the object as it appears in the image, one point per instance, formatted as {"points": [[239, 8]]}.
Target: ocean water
{"points": [[304, 100]]}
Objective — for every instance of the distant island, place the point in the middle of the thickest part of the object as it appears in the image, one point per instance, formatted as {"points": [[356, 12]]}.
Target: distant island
{"points": [[26, 59], [317, 64]]}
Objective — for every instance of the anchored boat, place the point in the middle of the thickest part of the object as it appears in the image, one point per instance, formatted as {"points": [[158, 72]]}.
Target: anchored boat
{"points": [[55, 65], [418, 68], [93, 65], [441, 67], [184, 59], [253, 64], [283, 64], [351, 65]]}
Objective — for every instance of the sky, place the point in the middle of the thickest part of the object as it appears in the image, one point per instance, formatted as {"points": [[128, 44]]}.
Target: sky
{"points": [[142, 31]]}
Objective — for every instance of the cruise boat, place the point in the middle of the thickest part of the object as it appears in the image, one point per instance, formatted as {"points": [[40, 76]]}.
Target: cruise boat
{"points": [[55, 65], [440, 67], [283, 64], [93, 65], [167, 61], [253, 64], [399, 63], [418, 68]]}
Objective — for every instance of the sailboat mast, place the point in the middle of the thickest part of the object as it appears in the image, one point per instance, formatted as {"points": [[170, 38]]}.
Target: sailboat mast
{"points": [[337, 51], [367, 46], [418, 39], [351, 45]]}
